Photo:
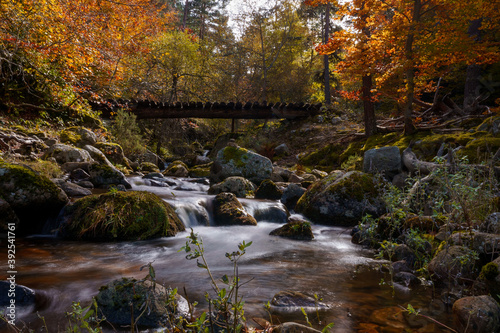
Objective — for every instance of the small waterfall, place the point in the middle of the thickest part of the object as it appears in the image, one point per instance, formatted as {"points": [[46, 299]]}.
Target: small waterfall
{"points": [[268, 211], [193, 213]]}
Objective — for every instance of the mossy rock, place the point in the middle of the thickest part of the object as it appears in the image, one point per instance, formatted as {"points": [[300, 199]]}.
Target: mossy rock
{"points": [[480, 149], [237, 161], [229, 211], [200, 171], [113, 152], [295, 229], [239, 186], [78, 136], [453, 262], [120, 216], [342, 199], [33, 198], [119, 298], [268, 190], [177, 169], [148, 167], [103, 175]]}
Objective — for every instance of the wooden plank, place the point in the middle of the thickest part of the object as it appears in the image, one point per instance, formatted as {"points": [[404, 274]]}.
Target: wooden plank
{"points": [[215, 110]]}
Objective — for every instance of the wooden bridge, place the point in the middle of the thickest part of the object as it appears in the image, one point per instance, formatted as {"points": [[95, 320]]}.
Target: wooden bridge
{"points": [[152, 110]]}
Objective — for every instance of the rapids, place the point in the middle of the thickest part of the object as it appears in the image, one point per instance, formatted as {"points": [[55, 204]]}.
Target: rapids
{"points": [[345, 276]]}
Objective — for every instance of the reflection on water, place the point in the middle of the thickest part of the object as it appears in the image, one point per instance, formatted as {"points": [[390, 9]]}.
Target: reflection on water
{"points": [[329, 266]]}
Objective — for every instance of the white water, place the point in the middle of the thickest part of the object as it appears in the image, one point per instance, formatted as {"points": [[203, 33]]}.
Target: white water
{"points": [[63, 271]]}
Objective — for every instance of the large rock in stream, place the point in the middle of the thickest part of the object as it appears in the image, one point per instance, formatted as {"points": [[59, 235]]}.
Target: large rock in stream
{"points": [[119, 298], [229, 211], [237, 161], [120, 216], [478, 314], [239, 186], [342, 199], [31, 197]]}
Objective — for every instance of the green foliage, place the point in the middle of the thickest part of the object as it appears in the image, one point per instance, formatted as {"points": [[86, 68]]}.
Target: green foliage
{"points": [[127, 133], [489, 271], [228, 304], [84, 319]]}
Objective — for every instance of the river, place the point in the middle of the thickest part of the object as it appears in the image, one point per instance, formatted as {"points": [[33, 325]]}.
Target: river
{"points": [[345, 276]]}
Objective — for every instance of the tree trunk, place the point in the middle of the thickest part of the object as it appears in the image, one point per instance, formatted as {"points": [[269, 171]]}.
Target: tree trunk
{"points": [[368, 107], [184, 18], [472, 84], [326, 62], [410, 68]]}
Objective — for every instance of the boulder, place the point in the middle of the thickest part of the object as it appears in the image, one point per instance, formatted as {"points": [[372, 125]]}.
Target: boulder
{"points": [[71, 166], [452, 262], [282, 150], [113, 152], [64, 153], [78, 136], [282, 172], [295, 229], [102, 175], [97, 155], [72, 190], [79, 174], [239, 186], [294, 178], [268, 190], [342, 199], [200, 171], [33, 198], [24, 296], [120, 216], [148, 167], [385, 160], [119, 298], [319, 174], [491, 224], [478, 314], [177, 169], [237, 161], [229, 211], [294, 299], [481, 242], [291, 195]]}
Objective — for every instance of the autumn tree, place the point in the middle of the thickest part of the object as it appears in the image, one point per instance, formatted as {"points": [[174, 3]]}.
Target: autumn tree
{"points": [[406, 44], [61, 52]]}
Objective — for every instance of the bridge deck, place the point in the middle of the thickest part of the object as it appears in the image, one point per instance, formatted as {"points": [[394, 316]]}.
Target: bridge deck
{"points": [[151, 110]]}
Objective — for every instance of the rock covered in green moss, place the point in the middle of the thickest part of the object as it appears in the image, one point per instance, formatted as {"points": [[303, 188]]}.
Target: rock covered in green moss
{"points": [[65, 153], [102, 175], [177, 169], [119, 298], [78, 136], [452, 262], [295, 229], [342, 199], [97, 155], [148, 167], [478, 314], [229, 211], [32, 197], [239, 186], [120, 216], [113, 152], [237, 161], [200, 171], [268, 190]]}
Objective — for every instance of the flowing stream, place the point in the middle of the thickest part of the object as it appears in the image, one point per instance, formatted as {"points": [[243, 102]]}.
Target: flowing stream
{"points": [[342, 274]]}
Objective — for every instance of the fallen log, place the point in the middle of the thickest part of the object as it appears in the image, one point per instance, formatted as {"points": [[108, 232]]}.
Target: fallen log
{"points": [[416, 166]]}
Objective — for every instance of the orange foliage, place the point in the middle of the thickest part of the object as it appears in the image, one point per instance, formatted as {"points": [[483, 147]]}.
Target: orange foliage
{"points": [[375, 42], [84, 41]]}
